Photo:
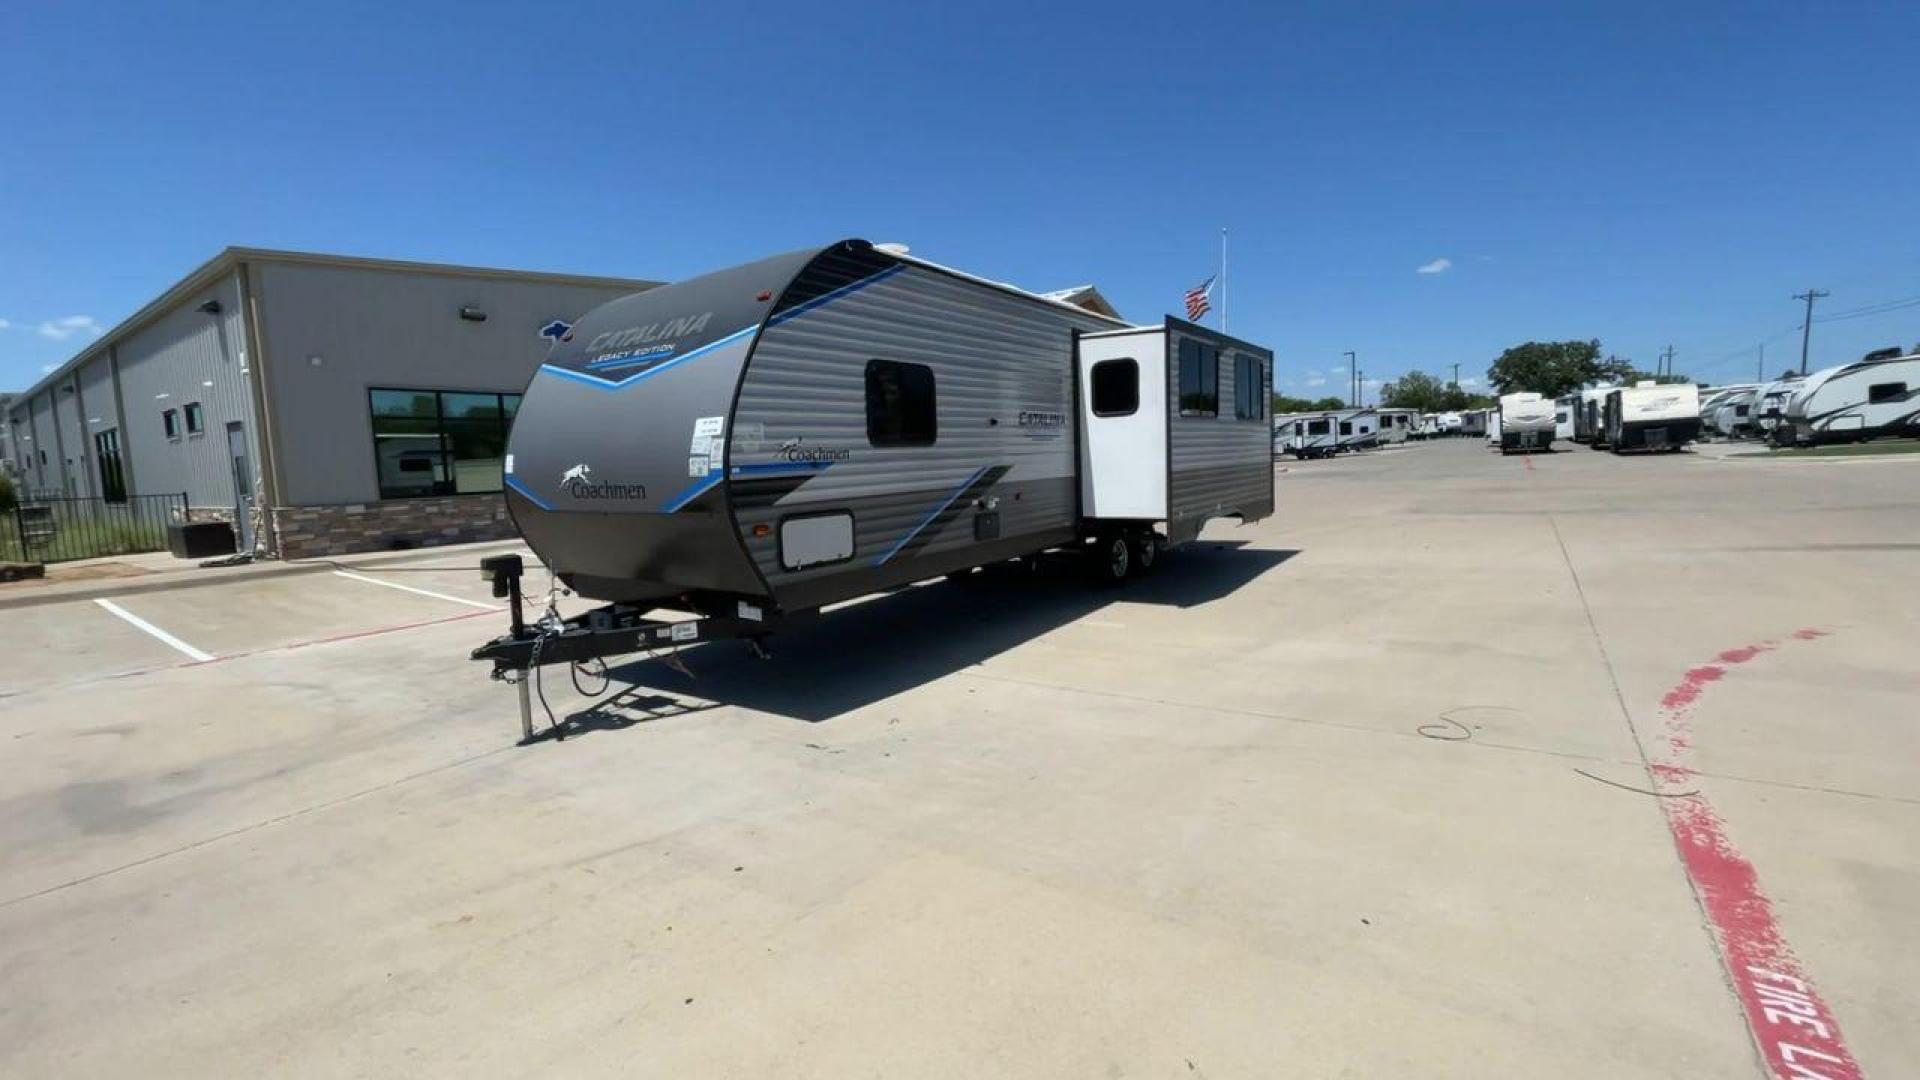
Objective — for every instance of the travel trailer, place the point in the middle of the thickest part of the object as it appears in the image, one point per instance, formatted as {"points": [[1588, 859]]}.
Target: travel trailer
{"points": [[1448, 423], [1473, 422], [1305, 435], [1866, 399], [1356, 429], [1397, 424], [1586, 416], [1428, 426], [767, 439], [1770, 405], [1726, 411], [1524, 422], [1652, 416], [1563, 410]]}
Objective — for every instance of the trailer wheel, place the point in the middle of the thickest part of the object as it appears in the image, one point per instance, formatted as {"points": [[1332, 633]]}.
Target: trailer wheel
{"points": [[1112, 558], [1146, 551]]}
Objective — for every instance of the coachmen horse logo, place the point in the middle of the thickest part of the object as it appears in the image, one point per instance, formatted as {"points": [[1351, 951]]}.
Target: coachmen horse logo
{"points": [[579, 472]]}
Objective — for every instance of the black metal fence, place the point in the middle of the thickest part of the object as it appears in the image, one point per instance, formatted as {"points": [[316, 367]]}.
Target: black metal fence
{"points": [[62, 529]]}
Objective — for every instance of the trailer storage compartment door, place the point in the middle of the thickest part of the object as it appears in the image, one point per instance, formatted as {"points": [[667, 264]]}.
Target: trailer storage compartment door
{"points": [[1123, 425]]}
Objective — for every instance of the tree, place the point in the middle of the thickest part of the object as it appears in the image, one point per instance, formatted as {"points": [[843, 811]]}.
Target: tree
{"points": [[1283, 403], [1550, 368], [1415, 390]]}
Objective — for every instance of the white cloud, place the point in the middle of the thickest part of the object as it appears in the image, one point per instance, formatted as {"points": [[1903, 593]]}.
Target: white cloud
{"points": [[47, 369], [1437, 266], [62, 329], [5, 325], [1316, 381]]}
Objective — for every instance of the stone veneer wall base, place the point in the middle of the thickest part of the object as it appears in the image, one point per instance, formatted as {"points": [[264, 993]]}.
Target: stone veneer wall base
{"points": [[306, 532]]}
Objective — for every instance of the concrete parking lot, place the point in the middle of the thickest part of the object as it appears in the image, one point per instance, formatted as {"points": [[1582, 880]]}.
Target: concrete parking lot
{"points": [[1345, 793]]}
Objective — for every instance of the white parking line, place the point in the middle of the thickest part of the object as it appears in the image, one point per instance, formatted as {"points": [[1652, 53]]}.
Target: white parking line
{"points": [[143, 624], [422, 592]]}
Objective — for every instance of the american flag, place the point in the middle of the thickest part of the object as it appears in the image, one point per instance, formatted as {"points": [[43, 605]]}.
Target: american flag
{"points": [[1197, 300]]}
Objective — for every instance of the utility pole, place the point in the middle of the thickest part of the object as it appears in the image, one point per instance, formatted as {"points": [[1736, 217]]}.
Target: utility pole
{"points": [[1760, 365], [1352, 366], [1456, 375], [1806, 328], [1666, 364], [1360, 384]]}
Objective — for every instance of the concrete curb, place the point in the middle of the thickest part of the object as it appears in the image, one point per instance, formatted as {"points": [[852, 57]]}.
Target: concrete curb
{"points": [[198, 577]]}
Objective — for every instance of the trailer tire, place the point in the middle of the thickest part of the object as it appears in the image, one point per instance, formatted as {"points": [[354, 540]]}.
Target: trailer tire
{"points": [[1146, 551], [1111, 558]]}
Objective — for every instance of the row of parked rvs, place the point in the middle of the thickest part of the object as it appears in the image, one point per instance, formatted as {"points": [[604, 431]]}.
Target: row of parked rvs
{"points": [[1338, 431], [1875, 396]]}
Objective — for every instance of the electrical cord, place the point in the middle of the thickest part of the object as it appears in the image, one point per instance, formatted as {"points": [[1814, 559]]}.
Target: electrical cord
{"points": [[1640, 790]]}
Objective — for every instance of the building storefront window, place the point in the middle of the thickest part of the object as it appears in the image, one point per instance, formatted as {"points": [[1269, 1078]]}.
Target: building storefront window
{"points": [[434, 442]]}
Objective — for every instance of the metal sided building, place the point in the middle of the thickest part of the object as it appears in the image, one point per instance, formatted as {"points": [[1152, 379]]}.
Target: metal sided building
{"points": [[325, 404]]}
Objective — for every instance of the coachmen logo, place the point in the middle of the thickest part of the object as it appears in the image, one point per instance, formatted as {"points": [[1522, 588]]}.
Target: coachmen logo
{"points": [[578, 482], [795, 450]]}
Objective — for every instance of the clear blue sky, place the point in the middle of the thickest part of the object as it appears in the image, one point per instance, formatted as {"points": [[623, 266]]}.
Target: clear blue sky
{"points": [[1644, 174]]}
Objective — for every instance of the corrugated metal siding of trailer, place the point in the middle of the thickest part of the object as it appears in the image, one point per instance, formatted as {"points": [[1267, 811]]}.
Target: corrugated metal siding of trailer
{"points": [[177, 355], [1217, 461], [992, 354]]}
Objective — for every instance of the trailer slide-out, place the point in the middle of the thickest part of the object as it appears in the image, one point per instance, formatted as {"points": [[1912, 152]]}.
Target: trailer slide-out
{"points": [[758, 442]]}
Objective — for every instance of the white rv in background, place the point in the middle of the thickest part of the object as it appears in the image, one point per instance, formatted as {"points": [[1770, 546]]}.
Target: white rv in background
{"points": [[1397, 424], [1449, 423], [1563, 412], [1586, 416], [1770, 405], [1726, 410], [1305, 435], [1652, 416], [1473, 422], [1853, 402], [1525, 421], [1356, 429]]}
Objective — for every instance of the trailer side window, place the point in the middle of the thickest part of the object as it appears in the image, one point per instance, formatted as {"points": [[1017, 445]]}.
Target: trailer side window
{"points": [[900, 410], [1248, 387], [1317, 427], [1346, 427], [1880, 393], [1199, 379], [169, 423], [1116, 387], [1742, 410]]}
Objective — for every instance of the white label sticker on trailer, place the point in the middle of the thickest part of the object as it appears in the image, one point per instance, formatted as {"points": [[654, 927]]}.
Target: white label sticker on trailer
{"points": [[685, 631], [710, 425], [697, 466], [509, 467], [701, 446], [749, 437]]}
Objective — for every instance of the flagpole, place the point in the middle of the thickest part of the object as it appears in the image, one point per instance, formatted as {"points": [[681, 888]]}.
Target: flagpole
{"points": [[1223, 280]]}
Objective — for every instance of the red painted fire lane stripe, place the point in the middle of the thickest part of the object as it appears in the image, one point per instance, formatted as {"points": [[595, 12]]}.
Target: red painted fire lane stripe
{"points": [[1795, 1030]]}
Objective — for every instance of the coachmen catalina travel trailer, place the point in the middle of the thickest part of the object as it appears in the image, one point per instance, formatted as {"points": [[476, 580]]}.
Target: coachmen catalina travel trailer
{"points": [[816, 426], [1866, 399], [1652, 416], [1526, 422]]}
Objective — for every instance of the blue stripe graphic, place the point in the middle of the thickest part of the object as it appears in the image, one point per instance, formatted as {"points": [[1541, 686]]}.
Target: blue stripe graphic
{"points": [[667, 365], [526, 492], [691, 492], [924, 522], [777, 467], [621, 384], [828, 298]]}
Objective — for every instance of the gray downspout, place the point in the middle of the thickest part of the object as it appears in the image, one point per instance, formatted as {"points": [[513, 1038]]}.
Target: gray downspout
{"points": [[266, 470]]}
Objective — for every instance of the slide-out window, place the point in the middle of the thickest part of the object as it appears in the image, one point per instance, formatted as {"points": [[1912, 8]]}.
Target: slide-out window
{"points": [[1880, 393], [1116, 387], [1199, 379], [1318, 427], [1249, 388], [900, 404]]}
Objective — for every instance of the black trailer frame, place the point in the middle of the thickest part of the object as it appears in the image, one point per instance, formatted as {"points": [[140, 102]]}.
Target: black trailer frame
{"points": [[611, 630]]}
